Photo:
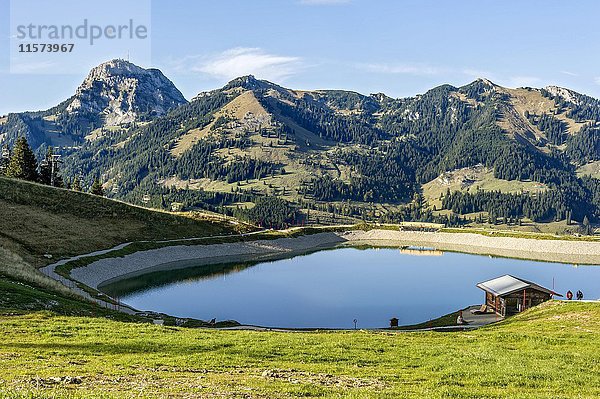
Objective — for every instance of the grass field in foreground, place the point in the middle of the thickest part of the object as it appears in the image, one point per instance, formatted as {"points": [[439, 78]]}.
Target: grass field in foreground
{"points": [[551, 351]]}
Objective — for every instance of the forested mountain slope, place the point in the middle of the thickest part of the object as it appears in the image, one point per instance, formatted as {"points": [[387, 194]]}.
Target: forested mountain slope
{"points": [[364, 157]]}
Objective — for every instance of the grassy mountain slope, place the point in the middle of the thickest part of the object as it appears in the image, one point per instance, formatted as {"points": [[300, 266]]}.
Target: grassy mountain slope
{"points": [[37, 220], [23, 296], [473, 179], [547, 352]]}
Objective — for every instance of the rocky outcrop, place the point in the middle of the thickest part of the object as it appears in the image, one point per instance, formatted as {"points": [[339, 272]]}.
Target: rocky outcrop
{"points": [[121, 92]]}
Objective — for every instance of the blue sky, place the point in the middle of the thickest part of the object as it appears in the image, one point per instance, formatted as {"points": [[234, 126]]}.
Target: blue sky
{"points": [[397, 47]]}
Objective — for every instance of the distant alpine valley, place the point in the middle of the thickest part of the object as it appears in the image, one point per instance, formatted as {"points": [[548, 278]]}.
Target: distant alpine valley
{"points": [[480, 154]]}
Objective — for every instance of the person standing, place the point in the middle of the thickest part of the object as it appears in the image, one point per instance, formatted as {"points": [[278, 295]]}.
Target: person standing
{"points": [[569, 295], [460, 320], [579, 295]]}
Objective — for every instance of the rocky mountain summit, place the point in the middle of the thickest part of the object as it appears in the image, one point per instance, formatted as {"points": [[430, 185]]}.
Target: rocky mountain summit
{"points": [[114, 94], [123, 92]]}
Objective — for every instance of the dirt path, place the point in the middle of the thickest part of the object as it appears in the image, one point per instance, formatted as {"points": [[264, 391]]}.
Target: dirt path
{"points": [[50, 271]]}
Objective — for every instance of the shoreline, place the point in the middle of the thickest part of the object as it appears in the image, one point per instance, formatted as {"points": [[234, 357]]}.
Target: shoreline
{"points": [[109, 270], [556, 251]]}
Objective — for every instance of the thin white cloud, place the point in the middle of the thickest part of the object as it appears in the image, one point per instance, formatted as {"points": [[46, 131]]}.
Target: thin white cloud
{"points": [[401, 68], [597, 80], [429, 70], [242, 61], [323, 2], [568, 73]]}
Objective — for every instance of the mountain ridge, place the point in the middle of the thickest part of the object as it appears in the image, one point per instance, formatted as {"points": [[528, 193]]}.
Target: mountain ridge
{"points": [[254, 138]]}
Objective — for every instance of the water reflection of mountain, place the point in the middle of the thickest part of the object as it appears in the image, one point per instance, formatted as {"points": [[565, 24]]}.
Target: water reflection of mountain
{"points": [[421, 251], [145, 282]]}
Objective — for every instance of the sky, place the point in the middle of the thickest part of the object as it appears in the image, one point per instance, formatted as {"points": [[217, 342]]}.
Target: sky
{"points": [[398, 47]]}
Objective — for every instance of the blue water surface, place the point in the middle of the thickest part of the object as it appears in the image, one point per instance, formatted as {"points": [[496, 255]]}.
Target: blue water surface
{"points": [[329, 289]]}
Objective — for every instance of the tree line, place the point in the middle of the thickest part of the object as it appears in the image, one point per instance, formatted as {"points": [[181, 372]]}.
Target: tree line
{"points": [[19, 162]]}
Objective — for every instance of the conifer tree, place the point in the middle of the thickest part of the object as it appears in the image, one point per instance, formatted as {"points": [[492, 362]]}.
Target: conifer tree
{"points": [[587, 228], [96, 188], [76, 185], [23, 164]]}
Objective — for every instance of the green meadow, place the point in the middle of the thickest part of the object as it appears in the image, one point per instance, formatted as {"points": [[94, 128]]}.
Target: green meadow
{"points": [[550, 351]]}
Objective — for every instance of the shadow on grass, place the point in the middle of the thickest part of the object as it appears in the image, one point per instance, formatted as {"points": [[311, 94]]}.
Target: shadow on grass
{"points": [[134, 348]]}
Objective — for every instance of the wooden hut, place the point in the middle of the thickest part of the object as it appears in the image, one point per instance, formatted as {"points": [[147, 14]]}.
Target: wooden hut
{"points": [[509, 295]]}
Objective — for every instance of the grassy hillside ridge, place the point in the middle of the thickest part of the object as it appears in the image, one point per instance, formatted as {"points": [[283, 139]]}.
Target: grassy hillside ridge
{"points": [[21, 297], [547, 352], [36, 220], [472, 179], [12, 266]]}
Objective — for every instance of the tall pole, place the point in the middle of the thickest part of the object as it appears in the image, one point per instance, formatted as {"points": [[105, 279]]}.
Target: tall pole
{"points": [[52, 172], [54, 160]]}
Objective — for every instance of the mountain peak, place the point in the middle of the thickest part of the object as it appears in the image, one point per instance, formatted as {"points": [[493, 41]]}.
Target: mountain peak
{"points": [[380, 97], [480, 87], [486, 82], [121, 91], [115, 67], [248, 82]]}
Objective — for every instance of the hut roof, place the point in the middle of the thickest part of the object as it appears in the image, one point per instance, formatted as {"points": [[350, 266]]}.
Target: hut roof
{"points": [[508, 284]]}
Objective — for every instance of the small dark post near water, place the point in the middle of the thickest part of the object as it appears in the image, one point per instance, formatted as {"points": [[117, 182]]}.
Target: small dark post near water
{"points": [[393, 322]]}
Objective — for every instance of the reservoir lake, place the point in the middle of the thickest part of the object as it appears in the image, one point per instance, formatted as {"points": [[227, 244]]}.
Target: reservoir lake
{"points": [[332, 288]]}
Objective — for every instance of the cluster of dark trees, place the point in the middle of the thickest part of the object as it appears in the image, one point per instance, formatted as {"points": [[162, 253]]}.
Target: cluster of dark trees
{"points": [[378, 188], [320, 119], [268, 211], [550, 205], [21, 163], [554, 129], [78, 124], [271, 212], [161, 197], [585, 146], [201, 162]]}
